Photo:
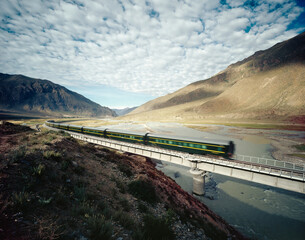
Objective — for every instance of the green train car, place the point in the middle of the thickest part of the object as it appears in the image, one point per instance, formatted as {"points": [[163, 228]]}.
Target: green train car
{"points": [[190, 145]]}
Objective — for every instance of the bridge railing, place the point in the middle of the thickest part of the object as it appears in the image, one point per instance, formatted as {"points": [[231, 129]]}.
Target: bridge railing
{"points": [[271, 162], [254, 167], [256, 164]]}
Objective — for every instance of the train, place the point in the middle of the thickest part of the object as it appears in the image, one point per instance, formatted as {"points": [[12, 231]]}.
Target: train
{"points": [[221, 148]]}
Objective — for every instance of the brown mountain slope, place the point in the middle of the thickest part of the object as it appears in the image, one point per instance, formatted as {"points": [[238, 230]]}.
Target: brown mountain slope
{"points": [[267, 85], [31, 96]]}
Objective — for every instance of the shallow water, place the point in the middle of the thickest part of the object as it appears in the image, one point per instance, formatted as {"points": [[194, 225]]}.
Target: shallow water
{"points": [[256, 210]]}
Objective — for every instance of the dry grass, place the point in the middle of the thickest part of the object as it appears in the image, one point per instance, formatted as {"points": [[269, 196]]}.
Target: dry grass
{"points": [[272, 95], [65, 189], [89, 122]]}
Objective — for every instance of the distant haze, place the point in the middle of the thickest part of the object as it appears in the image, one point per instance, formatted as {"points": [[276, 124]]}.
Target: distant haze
{"points": [[123, 111]]}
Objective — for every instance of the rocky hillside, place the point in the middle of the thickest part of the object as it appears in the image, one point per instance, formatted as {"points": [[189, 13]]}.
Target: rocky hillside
{"points": [[55, 187], [268, 85], [26, 95], [124, 111]]}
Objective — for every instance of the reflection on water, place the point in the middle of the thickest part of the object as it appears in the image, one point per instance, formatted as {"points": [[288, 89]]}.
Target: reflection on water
{"points": [[258, 211]]}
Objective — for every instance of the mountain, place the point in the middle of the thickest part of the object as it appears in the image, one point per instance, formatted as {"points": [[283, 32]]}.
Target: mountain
{"points": [[269, 85], [124, 111], [29, 96]]}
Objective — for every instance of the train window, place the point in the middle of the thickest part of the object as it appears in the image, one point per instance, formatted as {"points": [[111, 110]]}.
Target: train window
{"points": [[191, 145], [219, 149], [203, 147], [170, 142]]}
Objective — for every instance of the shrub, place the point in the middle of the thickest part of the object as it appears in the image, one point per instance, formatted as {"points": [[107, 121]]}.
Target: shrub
{"points": [[80, 193], [121, 186], [157, 228], [170, 216], [18, 154], [61, 199], [124, 219], [125, 204], [104, 209], [143, 190], [51, 155], [84, 209], [125, 169], [38, 171], [142, 207], [20, 200], [99, 228], [48, 228], [79, 170]]}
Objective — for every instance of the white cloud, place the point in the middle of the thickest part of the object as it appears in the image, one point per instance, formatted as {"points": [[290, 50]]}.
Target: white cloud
{"points": [[153, 47]]}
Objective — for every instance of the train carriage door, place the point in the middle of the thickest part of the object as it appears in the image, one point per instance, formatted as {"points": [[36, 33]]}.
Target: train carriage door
{"points": [[145, 139], [231, 149]]}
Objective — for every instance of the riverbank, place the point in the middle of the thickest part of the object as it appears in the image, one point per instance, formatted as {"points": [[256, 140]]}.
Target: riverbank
{"points": [[287, 145]]}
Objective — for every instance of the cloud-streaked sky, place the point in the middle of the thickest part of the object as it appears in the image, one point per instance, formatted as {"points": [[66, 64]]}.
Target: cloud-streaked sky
{"points": [[124, 53]]}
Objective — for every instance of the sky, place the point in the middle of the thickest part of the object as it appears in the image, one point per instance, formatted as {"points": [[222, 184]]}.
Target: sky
{"points": [[124, 53]]}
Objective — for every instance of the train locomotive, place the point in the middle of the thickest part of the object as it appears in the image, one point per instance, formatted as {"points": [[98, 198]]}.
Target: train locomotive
{"points": [[224, 149]]}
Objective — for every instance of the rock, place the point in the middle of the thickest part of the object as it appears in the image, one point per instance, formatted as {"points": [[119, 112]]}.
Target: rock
{"points": [[83, 238]]}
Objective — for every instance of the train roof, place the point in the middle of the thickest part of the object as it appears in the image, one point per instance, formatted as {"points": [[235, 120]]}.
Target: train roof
{"points": [[77, 126], [183, 138], [126, 132], [191, 139], [92, 128]]}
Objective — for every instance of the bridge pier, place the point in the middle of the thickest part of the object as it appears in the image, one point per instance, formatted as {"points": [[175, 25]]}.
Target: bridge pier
{"points": [[278, 174], [198, 181]]}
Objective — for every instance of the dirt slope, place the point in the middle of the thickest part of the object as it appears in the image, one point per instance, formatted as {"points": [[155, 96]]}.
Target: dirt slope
{"points": [[267, 85], [55, 187], [29, 96]]}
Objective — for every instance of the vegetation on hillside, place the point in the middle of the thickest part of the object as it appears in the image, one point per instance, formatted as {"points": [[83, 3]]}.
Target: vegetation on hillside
{"points": [[55, 187]]}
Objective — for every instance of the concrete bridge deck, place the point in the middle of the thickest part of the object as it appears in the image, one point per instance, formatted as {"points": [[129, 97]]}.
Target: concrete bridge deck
{"points": [[290, 178]]}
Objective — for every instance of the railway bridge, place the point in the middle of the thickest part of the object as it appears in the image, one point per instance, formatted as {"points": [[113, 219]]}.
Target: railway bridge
{"points": [[270, 172]]}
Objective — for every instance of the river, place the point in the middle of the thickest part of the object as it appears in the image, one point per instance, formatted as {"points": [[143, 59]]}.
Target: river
{"points": [[257, 211]]}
